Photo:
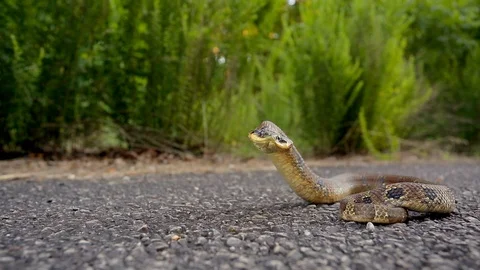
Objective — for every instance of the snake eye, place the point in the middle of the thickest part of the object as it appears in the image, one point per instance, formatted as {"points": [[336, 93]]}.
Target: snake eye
{"points": [[281, 140]]}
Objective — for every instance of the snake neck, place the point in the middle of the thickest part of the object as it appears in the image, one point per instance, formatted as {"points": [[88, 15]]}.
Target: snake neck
{"points": [[304, 182]]}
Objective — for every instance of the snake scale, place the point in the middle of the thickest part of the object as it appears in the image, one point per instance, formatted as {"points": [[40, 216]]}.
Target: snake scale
{"points": [[363, 197]]}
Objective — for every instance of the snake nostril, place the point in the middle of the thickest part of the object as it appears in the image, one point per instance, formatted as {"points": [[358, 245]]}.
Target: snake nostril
{"points": [[257, 132]]}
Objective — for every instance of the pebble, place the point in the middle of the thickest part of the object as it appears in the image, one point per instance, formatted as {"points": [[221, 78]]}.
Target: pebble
{"points": [[48, 230], [84, 242], [176, 230], [215, 233], [263, 250], [266, 240], [70, 251], [201, 241], [160, 246], [143, 228], [39, 243], [6, 259], [92, 224], [139, 252], [253, 246], [307, 264], [308, 252], [295, 255], [233, 242], [472, 219], [286, 243], [275, 264], [370, 227], [279, 250]]}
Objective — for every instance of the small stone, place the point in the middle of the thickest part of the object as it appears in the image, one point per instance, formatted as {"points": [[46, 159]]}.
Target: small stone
{"points": [[44, 255], [70, 251], [139, 252], [182, 242], [266, 240], [233, 229], [345, 259], [246, 260], [176, 230], [307, 233], [279, 250], [370, 227], [332, 229], [215, 233], [175, 237], [275, 264], [143, 228], [101, 261], [83, 242], [471, 219], [47, 230], [253, 246], [280, 234], [233, 242], [136, 215], [39, 243], [351, 225], [91, 224], [403, 225], [116, 263], [286, 243], [368, 242], [295, 255], [309, 252], [161, 246], [6, 259], [201, 241]]}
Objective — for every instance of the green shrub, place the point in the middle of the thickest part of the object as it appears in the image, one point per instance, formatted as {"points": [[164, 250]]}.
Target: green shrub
{"points": [[338, 76]]}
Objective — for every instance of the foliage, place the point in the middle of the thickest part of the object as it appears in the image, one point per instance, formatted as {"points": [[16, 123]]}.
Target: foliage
{"points": [[338, 76]]}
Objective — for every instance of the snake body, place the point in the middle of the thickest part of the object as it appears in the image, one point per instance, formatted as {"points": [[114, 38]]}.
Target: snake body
{"points": [[373, 198]]}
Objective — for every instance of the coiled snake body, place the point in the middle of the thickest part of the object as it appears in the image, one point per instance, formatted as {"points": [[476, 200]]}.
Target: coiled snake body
{"points": [[363, 198]]}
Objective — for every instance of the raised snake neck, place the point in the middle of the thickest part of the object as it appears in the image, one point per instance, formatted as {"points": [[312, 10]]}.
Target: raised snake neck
{"points": [[313, 188]]}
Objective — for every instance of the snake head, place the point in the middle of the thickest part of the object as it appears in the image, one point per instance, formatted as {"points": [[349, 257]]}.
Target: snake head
{"points": [[269, 138]]}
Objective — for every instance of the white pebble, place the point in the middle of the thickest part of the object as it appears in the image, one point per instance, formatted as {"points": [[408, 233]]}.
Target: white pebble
{"points": [[370, 227]]}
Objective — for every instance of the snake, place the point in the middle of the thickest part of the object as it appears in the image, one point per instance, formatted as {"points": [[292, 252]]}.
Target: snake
{"points": [[376, 198]]}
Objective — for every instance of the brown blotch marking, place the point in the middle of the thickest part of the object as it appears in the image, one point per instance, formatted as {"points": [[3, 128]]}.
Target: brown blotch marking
{"points": [[367, 199], [430, 193], [395, 193], [357, 199]]}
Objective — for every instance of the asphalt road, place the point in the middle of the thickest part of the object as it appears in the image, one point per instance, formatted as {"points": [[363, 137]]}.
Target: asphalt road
{"points": [[225, 221]]}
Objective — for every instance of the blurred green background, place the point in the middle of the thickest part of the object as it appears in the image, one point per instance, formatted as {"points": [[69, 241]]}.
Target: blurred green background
{"points": [[339, 76]]}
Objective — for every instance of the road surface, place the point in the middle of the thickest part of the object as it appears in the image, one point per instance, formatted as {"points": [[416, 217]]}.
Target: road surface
{"points": [[248, 220]]}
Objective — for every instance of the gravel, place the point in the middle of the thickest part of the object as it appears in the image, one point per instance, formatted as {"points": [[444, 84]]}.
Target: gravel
{"points": [[249, 220]]}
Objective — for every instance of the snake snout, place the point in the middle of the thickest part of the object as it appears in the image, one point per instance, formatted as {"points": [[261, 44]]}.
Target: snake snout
{"points": [[259, 132]]}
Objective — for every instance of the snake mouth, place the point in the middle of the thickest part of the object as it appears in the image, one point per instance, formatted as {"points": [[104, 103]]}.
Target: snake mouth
{"points": [[255, 136], [268, 142]]}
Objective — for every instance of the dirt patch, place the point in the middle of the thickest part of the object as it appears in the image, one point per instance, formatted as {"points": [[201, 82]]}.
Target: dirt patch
{"points": [[89, 167]]}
